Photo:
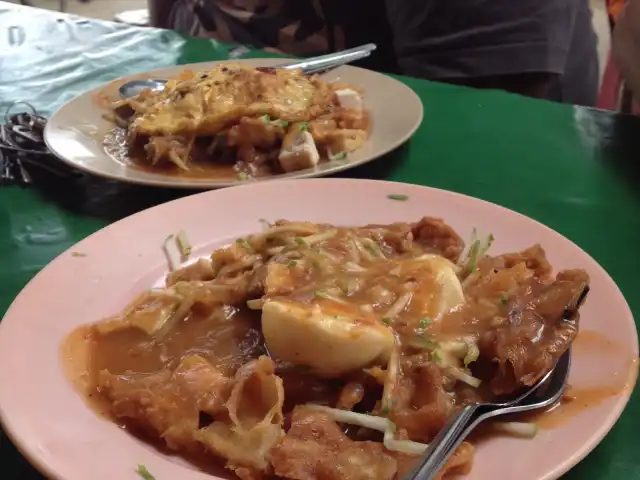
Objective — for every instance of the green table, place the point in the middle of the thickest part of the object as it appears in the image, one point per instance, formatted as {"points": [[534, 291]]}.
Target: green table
{"points": [[574, 169]]}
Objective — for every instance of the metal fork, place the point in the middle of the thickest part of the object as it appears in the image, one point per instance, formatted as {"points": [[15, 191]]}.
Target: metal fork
{"points": [[545, 393]]}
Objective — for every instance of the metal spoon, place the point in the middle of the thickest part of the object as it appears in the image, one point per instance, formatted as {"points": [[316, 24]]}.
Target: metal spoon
{"points": [[543, 394], [308, 66]]}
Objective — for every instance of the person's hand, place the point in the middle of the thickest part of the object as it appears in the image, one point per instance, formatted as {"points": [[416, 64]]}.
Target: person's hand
{"points": [[626, 45]]}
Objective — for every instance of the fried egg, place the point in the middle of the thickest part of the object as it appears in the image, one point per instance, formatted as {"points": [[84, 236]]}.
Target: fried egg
{"points": [[331, 338], [337, 336]]}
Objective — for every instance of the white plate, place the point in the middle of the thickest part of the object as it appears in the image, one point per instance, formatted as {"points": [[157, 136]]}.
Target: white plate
{"points": [[76, 132]]}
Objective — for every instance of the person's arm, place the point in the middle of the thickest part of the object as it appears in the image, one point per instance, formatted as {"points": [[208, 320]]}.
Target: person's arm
{"points": [[520, 46], [626, 45]]}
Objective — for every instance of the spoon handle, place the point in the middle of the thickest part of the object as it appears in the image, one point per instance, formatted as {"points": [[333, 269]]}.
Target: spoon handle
{"points": [[333, 59], [444, 444]]}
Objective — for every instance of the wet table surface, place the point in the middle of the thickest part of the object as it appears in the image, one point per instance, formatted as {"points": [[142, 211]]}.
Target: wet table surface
{"points": [[576, 170]]}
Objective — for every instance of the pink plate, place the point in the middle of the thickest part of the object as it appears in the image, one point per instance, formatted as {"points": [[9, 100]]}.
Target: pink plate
{"points": [[66, 440]]}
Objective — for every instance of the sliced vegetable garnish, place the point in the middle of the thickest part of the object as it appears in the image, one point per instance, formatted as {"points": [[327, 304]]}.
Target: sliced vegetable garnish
{"points": [[386, 320], [477, 250], [244, 243], [398, 197], [243, 176], [472, 354], [144, 473], [265, 118], [380, 424], [464, 377], [183, 244], [171, 252], [292, 263], [328, 296], [422, 343], [303, 126], [504, 299], [255, 304], [265, 223], [436, 357], [404, 446], [280, 123], [393, 369], [518, 429]]}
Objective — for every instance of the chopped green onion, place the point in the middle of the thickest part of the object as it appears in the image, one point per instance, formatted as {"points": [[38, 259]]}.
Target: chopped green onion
{"points": [[386, 320], [338, 157], [292, 263], [299, 241], [386, 410], [435, 357], [316, 263], [144, 473], [425, 322], [243, 176], [280, 123], [183, 244], [265, 118], [303, 126], [503, 299], [400, 198]]}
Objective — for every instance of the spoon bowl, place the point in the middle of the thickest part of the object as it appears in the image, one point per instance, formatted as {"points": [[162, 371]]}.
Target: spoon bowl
{"points": [[546, 392], [133, 88]]}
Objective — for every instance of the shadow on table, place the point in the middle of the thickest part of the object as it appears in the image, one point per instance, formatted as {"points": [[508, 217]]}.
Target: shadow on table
{"points": [[110, 200], [14, 465], [107, 200], [379, 169]]}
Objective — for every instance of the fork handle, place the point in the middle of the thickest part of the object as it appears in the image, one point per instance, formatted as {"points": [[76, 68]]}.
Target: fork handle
{"points": [[444, 444]]}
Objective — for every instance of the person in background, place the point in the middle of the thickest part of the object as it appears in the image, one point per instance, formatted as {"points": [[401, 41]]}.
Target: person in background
{"points": [[626, 45], [540, 48]]}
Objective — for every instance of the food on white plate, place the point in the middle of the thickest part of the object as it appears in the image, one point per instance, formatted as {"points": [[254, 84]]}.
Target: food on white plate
{"points": [[256, 121]]}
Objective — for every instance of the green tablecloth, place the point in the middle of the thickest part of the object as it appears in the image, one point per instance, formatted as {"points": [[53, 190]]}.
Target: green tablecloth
{"points": [[576, 170]]}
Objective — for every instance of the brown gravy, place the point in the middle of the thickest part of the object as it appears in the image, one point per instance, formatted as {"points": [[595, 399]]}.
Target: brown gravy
{"points": [[227, 342], [580, 398], [115, 144]]}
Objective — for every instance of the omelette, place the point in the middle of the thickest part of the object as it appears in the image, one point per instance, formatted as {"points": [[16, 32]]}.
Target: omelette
{"points": [[270, 119]]}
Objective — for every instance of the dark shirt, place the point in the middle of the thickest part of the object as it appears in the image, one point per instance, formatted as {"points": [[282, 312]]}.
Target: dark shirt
{"points": [[435, 39]]}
